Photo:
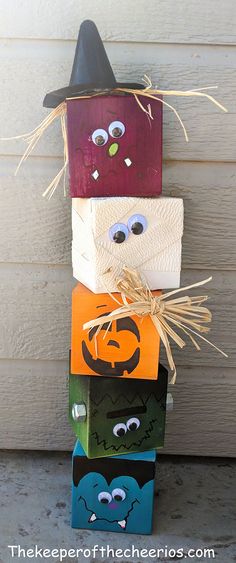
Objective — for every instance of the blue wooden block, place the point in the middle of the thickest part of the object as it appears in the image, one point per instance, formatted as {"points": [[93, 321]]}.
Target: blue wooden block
{"points": [[114, 494]]}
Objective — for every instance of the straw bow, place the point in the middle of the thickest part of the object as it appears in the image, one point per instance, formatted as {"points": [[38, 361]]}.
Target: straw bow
{"points": [[185, 313]]}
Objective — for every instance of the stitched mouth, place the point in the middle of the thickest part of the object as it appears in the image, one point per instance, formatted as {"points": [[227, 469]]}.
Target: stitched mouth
{"points": [[147, 435], [122, 523]]}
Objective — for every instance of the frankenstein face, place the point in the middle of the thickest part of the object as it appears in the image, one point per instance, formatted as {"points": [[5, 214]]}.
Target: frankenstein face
{"points": [[122, 415], [125, 424]]}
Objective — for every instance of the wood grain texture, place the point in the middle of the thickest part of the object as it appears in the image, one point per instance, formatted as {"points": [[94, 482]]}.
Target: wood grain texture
{"points": [[33, 229], [139, 142], [209, 228], [182, 67], [203, 419], [165, 21], [33, 406], [181, 46], [36, 303], [209, 194], [34, 409]]}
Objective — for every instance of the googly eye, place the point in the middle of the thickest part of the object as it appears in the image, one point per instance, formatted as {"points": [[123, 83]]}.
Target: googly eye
{"points": [[133, 424], [104, 497], [137, 224], [118, 495], [119, 430], [118, 233], [100, 137], [116, 129]]}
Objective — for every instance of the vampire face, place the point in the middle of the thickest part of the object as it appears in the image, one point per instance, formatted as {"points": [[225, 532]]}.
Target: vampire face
{"points": [[114, 148], [141, 233], [112, 494], [123, 416], [127, 348]]}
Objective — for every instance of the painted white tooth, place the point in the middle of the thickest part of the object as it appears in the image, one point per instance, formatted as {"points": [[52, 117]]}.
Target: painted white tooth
{"points": [[128, 162], [95, 174], [92, 518], [122, 524]]}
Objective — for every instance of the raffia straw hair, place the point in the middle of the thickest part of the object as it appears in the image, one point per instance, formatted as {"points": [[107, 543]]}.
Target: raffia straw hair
{"points": [[147, 94], [184, 313]]}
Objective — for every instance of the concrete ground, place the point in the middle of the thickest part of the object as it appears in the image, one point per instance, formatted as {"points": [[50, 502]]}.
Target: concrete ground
{"points": [[195, 508]]}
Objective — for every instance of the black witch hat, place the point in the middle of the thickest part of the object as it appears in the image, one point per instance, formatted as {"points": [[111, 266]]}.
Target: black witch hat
{"points": [[91, 71]]}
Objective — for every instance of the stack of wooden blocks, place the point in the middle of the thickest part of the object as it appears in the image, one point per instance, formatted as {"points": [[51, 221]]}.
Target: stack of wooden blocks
{"points": [[117, 387]]}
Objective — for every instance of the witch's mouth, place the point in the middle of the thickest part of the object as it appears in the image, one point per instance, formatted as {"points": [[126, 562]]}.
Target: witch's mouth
{"points": [[121, 523], [96, 174]]}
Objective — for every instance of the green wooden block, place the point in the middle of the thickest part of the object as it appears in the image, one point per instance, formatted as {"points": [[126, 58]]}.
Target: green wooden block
{"points": [[118, 416]]}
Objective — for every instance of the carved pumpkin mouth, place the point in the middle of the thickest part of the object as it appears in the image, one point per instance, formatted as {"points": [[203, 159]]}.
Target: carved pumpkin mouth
{"points": [[118, 368], [113, 343], [103, 367]]}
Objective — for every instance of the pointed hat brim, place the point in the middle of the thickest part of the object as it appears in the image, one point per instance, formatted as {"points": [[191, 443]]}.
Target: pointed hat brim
{"points": [[56, 97], [91, 70]]}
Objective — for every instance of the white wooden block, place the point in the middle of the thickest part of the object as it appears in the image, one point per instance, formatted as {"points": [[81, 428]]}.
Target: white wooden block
{"points": [[156, 253]]}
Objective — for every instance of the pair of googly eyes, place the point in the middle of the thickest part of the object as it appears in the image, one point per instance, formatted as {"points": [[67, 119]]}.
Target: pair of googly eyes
{"points": [[116, 130], [121, 428], [137, 224], [117, 494]]}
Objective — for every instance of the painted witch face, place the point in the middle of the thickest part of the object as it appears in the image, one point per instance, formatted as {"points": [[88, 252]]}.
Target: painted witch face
{"points": [[114, 148], [114, 495], [140, 233], [122, 416], [127, 347]]}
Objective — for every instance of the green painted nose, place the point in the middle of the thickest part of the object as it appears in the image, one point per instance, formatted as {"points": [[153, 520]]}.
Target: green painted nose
{"points": [[113, 149]]}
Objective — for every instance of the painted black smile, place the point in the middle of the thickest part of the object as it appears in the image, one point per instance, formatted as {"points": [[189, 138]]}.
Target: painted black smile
{"points": [[105, 368]]}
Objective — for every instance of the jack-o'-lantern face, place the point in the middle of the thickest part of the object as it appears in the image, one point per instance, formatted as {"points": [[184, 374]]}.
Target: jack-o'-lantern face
{"points": [[127, 347], [115, 357]]}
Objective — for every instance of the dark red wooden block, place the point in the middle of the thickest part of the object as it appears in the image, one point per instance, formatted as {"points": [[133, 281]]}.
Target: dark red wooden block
{"points": [[136, 167]]}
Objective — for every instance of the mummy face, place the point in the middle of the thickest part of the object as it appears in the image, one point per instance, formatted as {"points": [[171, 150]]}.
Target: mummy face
{"points": [[140, 233]]}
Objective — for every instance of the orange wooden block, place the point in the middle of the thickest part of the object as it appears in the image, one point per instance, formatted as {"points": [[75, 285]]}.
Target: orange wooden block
{"points": [[128, 347]]}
